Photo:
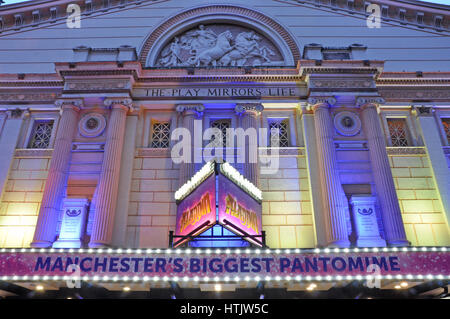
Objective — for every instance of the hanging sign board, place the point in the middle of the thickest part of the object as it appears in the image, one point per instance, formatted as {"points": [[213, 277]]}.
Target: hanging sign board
{"points": [[220, 186]]}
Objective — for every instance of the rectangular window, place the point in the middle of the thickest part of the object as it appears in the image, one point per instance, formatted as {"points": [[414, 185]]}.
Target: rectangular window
{"points": [[398, 132], [41, 134], [222, 125], [160, 135], [279, 132], [446, 125]]}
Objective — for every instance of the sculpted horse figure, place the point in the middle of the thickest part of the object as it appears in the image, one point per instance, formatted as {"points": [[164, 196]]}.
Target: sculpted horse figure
{"points": [[245, 44], [211, 55]]}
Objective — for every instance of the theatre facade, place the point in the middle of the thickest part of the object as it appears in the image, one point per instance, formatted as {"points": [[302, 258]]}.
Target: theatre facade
{"points": [[272, 148]]}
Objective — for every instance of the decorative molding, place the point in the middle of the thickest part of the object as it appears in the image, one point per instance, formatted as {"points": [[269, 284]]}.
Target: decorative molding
{"points": [[97, 85], [347, 123], [153, 152], [242, 108], [92, 125], [423, 110], [214, 10], [17, 113], [219, 44], [27, 97], [125, 101], [414, 150], [197, 108], [71, 102], [329, 100], [33, 152], [363, 100], [331, 84], [281, 151], [414, 94], [88, 147]]}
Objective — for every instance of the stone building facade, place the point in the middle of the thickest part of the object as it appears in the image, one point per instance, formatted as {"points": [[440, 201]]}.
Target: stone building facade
{"points": [[87, 114]]}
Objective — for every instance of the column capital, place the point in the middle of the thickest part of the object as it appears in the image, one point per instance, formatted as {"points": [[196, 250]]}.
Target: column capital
{"points": [[73, 103], [17, 113], [321, 101], [119, 102], [249, 108], [423, 110], [366, 101], [193, 109]]}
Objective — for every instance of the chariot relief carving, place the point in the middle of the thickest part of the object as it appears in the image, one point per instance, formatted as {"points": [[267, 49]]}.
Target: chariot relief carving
{"points": [[219, 45]]}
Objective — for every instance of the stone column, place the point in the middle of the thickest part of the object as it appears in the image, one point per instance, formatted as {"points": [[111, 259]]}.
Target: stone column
{"points": [[126, 172], [108, 185], [332, 191], [249, 114], [189, 113], [8, 142], [57, 174], [390, 210], [431, 137]]}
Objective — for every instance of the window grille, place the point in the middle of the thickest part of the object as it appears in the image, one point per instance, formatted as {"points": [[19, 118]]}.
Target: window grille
{"points": [[41, 134], [160, 135], [279, 132], [222, 125], [398, 132]]}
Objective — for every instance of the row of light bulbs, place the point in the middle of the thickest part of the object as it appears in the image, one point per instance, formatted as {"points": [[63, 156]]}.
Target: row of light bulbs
{"points": [[256, 251], [195, 180], [297, 278], [237, 177]]}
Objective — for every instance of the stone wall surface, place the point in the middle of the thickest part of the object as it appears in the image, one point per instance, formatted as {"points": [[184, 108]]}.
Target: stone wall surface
{"points": [[421, 208], [19, 207]]}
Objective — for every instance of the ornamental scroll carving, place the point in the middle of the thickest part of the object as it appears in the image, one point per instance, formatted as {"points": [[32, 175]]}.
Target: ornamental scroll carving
{"points": [[219, 45]]}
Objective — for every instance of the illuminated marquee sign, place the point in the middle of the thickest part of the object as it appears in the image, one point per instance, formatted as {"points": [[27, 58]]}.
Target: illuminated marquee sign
{"points": [[238, 204], [197, 211], [234, 264]]}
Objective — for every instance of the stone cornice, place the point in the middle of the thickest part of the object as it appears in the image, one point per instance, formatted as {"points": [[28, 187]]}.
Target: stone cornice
{"points": [[412, 9], [354, 8], [26, 9]]}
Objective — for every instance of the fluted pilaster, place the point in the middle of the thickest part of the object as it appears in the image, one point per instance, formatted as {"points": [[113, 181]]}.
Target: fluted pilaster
{"points": [[57, 174], [392, 220], [108, 185], [249, 114], [332, 192], [189, 113]]}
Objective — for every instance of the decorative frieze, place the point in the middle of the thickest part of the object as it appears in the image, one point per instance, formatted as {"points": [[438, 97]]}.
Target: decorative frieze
{"points": [[152, 152], [406, 150], [27, 97], [97, 85], [416, 93], [341, 83], [33, 153]]}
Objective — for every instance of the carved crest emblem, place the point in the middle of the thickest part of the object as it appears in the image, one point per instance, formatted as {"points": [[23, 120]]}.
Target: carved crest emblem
{"points": [[73, 212]]}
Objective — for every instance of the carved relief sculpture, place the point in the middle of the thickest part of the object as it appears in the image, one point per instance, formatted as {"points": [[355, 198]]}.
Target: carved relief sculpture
{"points": [[219, 45]]}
